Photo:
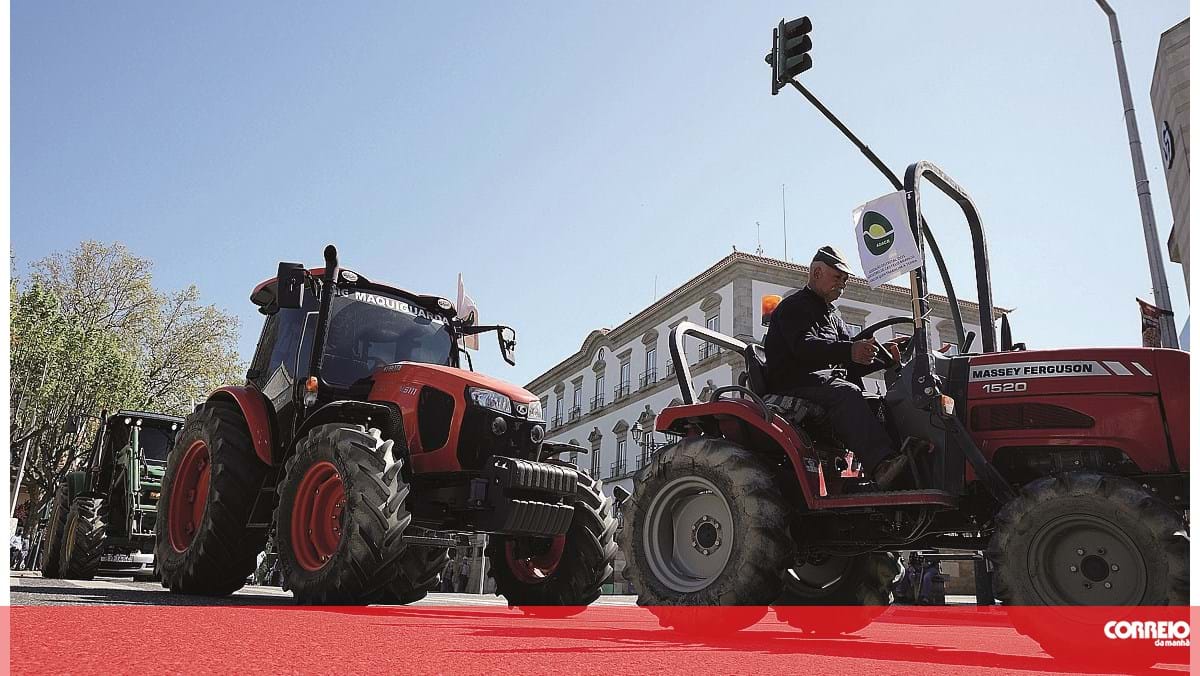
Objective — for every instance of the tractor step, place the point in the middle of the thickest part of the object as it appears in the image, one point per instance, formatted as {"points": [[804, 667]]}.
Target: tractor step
{"points": [[923, 498], [428, 541]]}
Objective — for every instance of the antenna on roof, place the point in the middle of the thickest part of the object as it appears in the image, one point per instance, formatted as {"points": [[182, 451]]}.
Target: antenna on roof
{"points": [[758, 233], [784, 195]]}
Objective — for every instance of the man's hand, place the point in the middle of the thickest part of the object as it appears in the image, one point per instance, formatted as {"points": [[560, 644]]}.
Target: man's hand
{"points": [[893, 348], [863, 351]]}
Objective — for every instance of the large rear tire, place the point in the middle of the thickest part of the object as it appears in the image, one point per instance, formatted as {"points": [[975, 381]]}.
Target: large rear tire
{"points": [[341, 516], [706, 526], [1082, 539], [212, 479], [51, 554], [862, 584], [83, 539], [559, 576]]}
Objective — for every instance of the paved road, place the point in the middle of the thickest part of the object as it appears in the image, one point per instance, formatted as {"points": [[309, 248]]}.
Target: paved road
{"points": [[30, 589]]}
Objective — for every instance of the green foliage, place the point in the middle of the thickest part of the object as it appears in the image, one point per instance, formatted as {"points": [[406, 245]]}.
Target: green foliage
{"points": [[90, 333]]}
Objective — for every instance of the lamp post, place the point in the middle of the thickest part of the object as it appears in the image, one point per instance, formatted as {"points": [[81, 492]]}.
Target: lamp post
{"points": [[1158, 274], [638, 435]]}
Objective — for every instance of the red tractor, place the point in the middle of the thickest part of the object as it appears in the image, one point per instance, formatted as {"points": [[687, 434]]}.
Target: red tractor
{"points": [[1068, 467], [363, 445]]}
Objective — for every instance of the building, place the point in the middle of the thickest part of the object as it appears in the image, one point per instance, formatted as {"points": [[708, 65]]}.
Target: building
{"points": [[1170, 98], [605, 397]]}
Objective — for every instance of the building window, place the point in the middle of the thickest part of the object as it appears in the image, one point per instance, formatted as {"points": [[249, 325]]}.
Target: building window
{"points": [[558, 411], [596, 461], [545, 406], [618, 467], [650, 375], [853, 329], [576, 403], [623, 385], [707, 349], [598, 399]]}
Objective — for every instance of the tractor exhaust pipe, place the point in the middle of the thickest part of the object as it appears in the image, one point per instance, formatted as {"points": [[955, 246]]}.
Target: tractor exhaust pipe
{"points": [[328, 289]]}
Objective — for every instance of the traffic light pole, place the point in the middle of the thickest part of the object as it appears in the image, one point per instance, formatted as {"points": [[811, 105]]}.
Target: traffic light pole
{"points": [[895, 180]]}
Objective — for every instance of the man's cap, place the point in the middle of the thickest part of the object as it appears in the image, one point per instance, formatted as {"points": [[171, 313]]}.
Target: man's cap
{"points": [[833, 258]]}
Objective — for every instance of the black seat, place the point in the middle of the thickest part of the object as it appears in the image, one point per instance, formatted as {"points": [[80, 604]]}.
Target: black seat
{"points": [[755, 379], [756, 369]]}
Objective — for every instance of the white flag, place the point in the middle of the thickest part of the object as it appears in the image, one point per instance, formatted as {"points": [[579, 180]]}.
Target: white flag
{"points": [[467, 310], [886, 246]]}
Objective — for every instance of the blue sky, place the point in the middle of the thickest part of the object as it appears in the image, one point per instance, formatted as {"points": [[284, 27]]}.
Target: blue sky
{"points": [[570, 157]]}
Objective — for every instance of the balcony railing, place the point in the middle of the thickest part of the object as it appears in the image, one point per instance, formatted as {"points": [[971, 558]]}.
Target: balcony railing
{"points": [[621, 391], [557, 422], [598, 403], [647, 378], [595, 472], [708, 350], [617, 468], [575, 413]]}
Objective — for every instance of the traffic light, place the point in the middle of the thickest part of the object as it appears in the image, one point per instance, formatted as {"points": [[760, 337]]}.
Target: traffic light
{"points": [[789, 51]]}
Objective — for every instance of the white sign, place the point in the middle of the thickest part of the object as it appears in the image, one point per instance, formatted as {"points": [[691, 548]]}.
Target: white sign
{"points": [[886, 246]]}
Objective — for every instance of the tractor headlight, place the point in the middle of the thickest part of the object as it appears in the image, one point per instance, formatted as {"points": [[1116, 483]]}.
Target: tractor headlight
{"points": [[535, 410], [489, 399]]}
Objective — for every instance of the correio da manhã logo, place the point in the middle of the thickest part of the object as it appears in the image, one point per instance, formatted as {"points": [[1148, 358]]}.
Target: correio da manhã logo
{"points": [[878, 233]]}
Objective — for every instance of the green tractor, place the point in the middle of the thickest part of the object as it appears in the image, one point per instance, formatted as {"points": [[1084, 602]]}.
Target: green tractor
{"points": [[102, 517]]}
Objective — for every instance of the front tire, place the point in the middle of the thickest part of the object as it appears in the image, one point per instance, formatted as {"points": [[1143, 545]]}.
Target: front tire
{"points": [[212, 479], [1082, 539], [861, 584], [706, 526], [341, 516], [83, 539], [419, 573], [566, 571], [51, 554]]}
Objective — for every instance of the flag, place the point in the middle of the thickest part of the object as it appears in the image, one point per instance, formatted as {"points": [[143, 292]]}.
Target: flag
{"points": [[467, 311], [1151, 324]]}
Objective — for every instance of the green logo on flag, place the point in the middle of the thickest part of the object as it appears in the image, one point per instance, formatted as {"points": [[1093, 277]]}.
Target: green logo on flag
{"points": [[877, 233]]}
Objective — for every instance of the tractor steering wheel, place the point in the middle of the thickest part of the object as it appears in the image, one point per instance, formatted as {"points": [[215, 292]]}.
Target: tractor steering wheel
{"points": [[884, 358]]}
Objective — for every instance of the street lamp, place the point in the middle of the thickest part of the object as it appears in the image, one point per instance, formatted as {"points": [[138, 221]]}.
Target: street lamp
{"points": [[1158, 274]]}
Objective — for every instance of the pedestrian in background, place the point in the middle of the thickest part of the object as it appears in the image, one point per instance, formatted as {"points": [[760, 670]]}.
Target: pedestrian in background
{"points": [[464, 573], [447, 584]]}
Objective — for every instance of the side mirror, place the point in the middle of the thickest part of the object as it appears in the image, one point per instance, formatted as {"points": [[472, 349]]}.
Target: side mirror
{"points": [[289, 291], [508, 344]]}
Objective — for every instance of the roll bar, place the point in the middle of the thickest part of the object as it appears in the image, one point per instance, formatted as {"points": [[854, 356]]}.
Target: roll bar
{"points": [[684, 372], [983, 277]]}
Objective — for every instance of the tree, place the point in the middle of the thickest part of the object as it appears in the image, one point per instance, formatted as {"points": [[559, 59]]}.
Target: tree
{"points": [[90, 333]]}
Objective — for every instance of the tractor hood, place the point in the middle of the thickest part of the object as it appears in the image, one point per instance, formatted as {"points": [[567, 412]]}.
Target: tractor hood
{"points": [[445, 378], [1073, 371]]}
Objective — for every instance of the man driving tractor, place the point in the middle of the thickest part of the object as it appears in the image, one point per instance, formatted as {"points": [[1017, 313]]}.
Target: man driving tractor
{"points": [[811, 356]]}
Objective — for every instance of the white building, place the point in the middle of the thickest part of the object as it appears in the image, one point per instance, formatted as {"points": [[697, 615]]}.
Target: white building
{"points": [[606, 396]]}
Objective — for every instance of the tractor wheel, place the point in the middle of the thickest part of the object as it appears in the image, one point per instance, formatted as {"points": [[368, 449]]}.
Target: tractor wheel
{"points": [[83, 539], [341, 516], [1085, 539], [559, 576], [420, 570], [862, 584], [208, 491], [51, 553], [706, 526]]}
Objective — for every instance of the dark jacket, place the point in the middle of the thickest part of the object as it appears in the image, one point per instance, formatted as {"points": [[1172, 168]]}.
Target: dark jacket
{"points": [[807, 344]]}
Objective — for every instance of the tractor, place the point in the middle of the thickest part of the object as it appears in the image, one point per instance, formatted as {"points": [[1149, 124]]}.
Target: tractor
{"points": [[1068, 467], [102, 517], [361, 441]]}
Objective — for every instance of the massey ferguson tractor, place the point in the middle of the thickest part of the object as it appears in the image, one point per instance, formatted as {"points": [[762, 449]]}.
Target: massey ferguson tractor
{"points": [[1069, 467], [102, 518], [360, 440]]}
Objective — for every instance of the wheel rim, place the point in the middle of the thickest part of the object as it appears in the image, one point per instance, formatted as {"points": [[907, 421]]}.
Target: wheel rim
{"points": [[189, 495], [814, 578], [689, 534], [536, 568], [1081, 559], [317, 516]]}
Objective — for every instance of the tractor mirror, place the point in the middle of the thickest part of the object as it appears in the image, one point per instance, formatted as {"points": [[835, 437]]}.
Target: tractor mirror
{"points": [[290, 285], [508, 344]]}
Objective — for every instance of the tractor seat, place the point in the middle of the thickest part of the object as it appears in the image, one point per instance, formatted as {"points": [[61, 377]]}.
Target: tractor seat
{"points": [[796, 410]]}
